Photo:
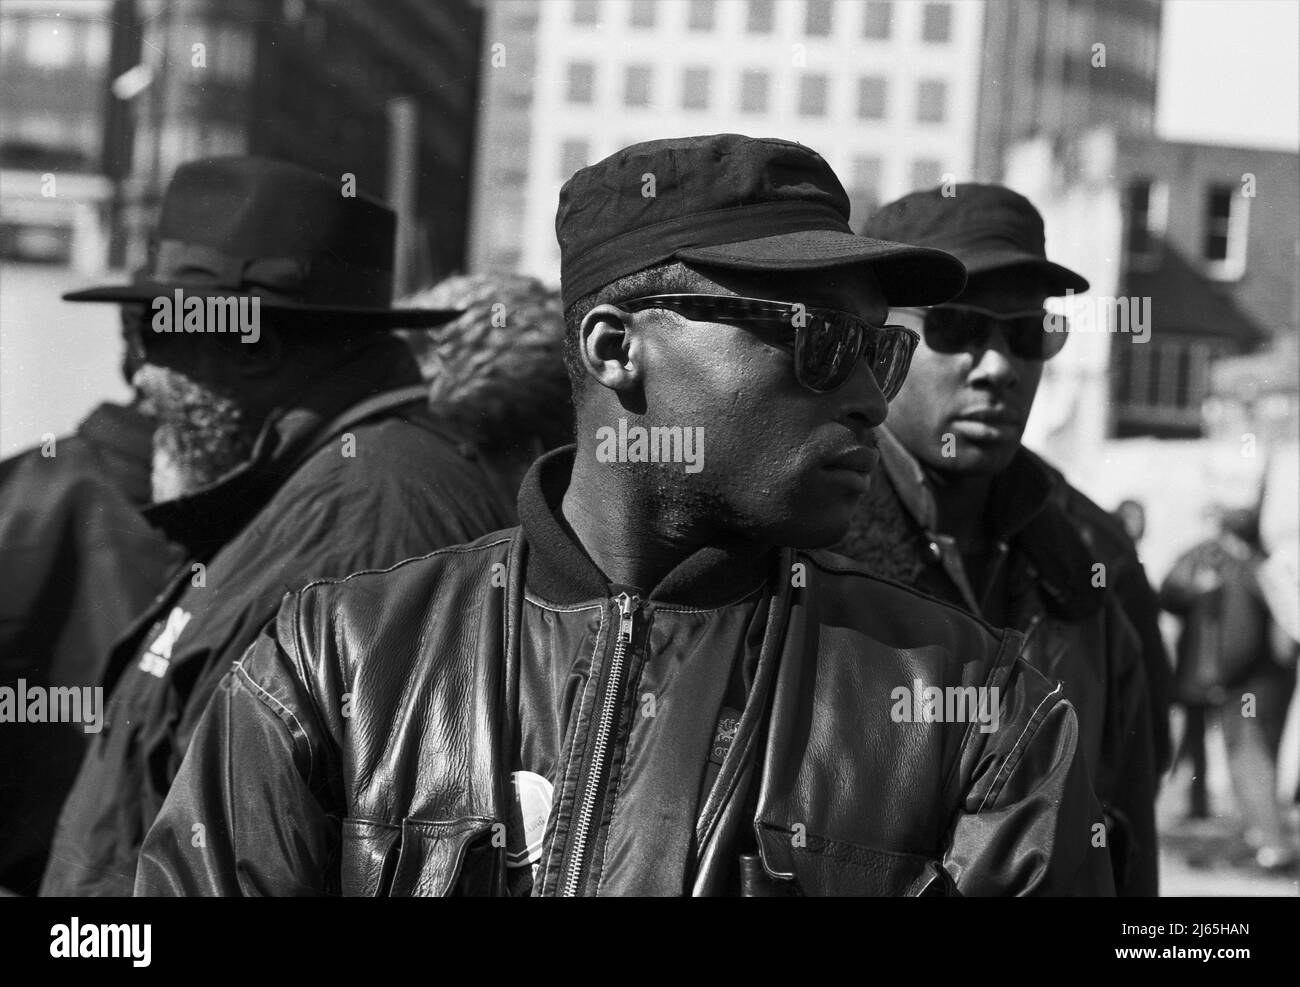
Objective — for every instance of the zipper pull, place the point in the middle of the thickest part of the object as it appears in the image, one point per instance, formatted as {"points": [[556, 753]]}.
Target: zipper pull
{"points": [[626, 609]]}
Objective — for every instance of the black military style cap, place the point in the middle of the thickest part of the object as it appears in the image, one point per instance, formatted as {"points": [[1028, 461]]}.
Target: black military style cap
{"points": [[988, 227], [725, 200]]}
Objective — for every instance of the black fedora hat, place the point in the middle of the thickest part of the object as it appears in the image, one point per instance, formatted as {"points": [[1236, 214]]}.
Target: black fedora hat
{"points": [[278, 232]]}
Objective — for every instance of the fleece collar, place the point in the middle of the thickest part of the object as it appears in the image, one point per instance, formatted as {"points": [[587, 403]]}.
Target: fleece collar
{"points": [[1022, 513], [560, 571]]}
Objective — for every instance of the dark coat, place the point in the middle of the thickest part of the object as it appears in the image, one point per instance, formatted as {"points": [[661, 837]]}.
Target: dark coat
{"points": [[78, 561], [360, 478], [1108, 542], [1077, 632], [382, 715], [1225, 636]]}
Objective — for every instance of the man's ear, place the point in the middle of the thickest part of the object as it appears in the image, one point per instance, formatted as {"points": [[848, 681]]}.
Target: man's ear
{"points": [[260, 358], [610, 348]]}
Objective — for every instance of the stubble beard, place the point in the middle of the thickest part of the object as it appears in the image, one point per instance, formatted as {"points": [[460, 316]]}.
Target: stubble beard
{"points": [[200, 435]]}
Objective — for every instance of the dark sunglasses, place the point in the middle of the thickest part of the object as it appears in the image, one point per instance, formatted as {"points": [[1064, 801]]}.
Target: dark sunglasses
{"points": [[827, 343], [955, 328]]}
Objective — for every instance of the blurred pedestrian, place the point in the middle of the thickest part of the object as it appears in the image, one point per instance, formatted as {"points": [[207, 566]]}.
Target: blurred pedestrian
{"points": [[79, 563], [959, 509], [497, 371], [301, 449], [1229, 661]]}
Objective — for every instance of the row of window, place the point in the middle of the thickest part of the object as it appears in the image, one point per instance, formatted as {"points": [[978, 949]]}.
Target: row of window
{"points": [[57, 43], [863, 182], [812, 95], [760, 16]]}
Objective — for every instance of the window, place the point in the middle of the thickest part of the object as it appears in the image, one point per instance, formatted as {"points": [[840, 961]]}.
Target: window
{"points": [[926, 173], [864, 189], [936, 22], [872, 93], [753, 91], [582, 81], [877, 16], [1144, 211], [636, 85], [234, 57], [573, 156], [643, 13], [1159, 387], [49, 43], [931, 97], [585, 12], [700, 17], [96, 37], [812, 96], [1218, 221], [695, 89], [759, 18], [1224, 245], [817, 18]]}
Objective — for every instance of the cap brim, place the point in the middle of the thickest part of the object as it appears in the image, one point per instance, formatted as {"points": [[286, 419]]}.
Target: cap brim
{"points": [[378, 318], [1059, 279], [907, 275]]}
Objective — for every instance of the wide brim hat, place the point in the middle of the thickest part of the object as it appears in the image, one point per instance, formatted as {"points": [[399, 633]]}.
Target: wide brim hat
{"points": [[254, 227]]}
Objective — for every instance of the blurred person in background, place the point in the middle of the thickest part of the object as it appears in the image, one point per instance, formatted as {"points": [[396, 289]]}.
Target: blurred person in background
{"points": [[1132, 517], [78, 561], [497, 371], [301, 451], [1231, 659], [960, 509]]}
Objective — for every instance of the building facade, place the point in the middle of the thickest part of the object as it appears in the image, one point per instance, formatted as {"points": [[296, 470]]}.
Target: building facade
{"points": [[1054, 65], [895, 95], [126, 90], [1191, 251], [885, 91]]}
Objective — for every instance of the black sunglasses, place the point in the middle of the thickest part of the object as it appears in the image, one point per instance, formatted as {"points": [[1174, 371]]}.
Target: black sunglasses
{"points": [[826, 342], [1034, 334]]}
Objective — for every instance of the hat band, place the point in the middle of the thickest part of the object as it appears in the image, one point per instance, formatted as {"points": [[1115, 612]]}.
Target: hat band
{"points": [[638, 249], [320, 281]]}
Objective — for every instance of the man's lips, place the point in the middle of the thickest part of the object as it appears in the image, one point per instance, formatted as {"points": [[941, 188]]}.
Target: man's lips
{"points": [[859, 459], [992, 416]]}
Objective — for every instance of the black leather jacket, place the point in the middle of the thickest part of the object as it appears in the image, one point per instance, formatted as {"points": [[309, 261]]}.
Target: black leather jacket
{"points": [[364, 745], [1046, 585]]}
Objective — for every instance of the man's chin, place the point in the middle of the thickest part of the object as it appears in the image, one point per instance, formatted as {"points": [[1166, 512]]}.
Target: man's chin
{"points": [[819, 526]]}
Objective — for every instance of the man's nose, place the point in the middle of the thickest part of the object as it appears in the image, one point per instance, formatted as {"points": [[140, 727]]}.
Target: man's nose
{"points": [[864, 404], [994, 366]]}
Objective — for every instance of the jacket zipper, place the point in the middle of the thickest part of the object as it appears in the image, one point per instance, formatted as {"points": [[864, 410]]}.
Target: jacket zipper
{"points": [[610, 704]]}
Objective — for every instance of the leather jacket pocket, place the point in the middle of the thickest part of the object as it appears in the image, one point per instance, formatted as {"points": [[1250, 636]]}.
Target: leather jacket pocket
{"points": [[420, 858], [368, 857], [808, 864]]}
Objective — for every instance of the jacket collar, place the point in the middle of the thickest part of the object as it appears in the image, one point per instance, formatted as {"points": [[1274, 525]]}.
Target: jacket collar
{"points": [[560, 571], [211, 515], [1022, 512], [125, 436], [1018, 494]]}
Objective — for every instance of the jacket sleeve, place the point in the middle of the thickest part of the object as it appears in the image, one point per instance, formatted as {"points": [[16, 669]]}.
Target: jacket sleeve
{"points": [[253, 808], [1030, 824], [1127, 778], [1142, 609]]}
